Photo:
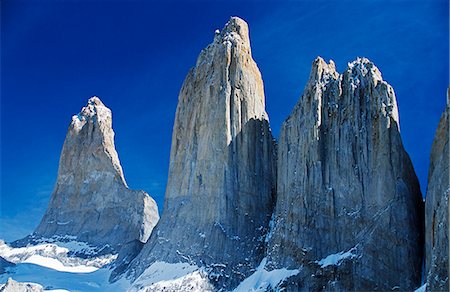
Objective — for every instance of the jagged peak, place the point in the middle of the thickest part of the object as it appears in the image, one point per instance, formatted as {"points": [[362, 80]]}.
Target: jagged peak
{"points": [[321, 72], [95, 100], [94, 110], [364, 67], [236, 29]]}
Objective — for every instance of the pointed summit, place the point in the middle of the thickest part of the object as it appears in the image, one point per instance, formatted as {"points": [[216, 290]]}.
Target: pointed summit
{"points": [[91, 200], [235, 29]]}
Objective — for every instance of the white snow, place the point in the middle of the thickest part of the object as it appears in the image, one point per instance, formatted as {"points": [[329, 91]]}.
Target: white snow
{"points": [[162, 276], [78, 122], [58, 250], [262, 279], [336, 258], [64, 223], [57, 265], [54, 280], [50, 266]]}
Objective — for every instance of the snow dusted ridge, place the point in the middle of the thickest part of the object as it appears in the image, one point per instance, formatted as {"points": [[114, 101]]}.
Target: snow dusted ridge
{"points": [[59, 263], [60, 255]]}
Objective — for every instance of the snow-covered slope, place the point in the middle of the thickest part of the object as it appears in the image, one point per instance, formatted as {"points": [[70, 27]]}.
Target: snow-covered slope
{"points": [[162, 276], [64, 265], [60, 263]]}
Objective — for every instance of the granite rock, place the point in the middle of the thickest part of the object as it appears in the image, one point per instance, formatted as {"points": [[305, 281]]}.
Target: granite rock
{"points": [[91, 200], [345, 183], [437, 208], [221, 183], [14, 286]]}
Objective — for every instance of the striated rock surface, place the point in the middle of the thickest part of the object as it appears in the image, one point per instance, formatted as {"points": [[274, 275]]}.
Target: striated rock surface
{"points": [[91, 199], [437, 208], [347, 193], [220, 191]]}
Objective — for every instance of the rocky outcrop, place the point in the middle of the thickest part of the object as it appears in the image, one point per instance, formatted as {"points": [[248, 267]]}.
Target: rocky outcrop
{"points": [[220, 190], [349, 208], [437, 208], [91, 200], [14, 286]]}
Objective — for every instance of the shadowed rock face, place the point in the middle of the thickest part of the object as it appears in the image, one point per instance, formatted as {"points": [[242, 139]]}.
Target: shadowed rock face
{"points": [[219, 195], [91, 199], [345, 183], [437, 209]]}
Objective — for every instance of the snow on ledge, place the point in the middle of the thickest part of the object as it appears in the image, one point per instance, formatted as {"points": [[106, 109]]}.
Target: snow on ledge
{"points": [[162, 276], [54, 264], [336, 258], [262, 279]]}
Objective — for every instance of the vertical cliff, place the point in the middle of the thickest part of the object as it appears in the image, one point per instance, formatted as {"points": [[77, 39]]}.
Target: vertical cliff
{"points": [[346, 186], [219, 195], [437, 208]]}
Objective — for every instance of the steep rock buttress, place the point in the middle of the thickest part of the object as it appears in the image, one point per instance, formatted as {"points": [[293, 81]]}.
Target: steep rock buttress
{"points": [[91, 200], [346, 186], [437, 208], [219, 195]]}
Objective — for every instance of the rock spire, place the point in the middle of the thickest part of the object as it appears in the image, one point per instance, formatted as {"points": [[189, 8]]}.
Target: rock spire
{"points": [[220, 191], [91, 199], [346, 186]]}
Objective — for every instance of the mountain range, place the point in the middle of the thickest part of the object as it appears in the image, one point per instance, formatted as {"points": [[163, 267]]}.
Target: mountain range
{"points": [[334, 204]]}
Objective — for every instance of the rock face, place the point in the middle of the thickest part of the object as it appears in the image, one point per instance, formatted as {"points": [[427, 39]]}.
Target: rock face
{"points": [[220, 191], [14, 286], [91, 199], [437, 209], [346, 187]]}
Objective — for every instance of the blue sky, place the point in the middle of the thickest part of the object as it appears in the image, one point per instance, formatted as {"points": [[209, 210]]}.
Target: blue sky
{"points": [[134, 55]]}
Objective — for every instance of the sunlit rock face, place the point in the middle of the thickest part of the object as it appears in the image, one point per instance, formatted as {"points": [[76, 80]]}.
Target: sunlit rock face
{"points": [[221, 183], [13, 286], [346, 186], [437, 209], [91, 200]]}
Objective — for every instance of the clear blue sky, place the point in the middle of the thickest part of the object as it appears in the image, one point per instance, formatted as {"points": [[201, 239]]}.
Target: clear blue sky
{"points": [[134, 55]]}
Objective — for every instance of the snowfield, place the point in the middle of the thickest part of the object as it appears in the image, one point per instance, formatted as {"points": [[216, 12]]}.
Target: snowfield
{"points": [[55, 266], [57, 255], [162, 276]]}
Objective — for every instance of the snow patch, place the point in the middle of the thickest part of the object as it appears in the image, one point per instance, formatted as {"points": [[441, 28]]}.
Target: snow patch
{"points": [[57, 265], [78, 122], [336, 258], [262, 279], [162, 276]]}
